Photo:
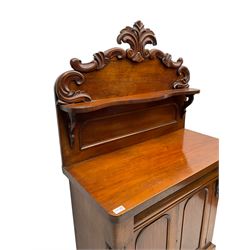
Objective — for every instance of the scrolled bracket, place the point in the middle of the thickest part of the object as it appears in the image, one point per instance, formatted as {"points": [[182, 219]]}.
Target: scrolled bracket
{"points": [[187, 102]]}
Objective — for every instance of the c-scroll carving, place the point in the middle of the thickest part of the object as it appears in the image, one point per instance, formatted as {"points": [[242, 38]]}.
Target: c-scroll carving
{"points": [[183, 78], [98, 63], [137, 37], [67, 85], [101, 59], [66, 93], [166, 59], [63, 87], [182, 72]]}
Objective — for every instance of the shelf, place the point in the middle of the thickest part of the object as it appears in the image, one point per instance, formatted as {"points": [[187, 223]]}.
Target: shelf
{"points": [[85, 107], [136, 175]]}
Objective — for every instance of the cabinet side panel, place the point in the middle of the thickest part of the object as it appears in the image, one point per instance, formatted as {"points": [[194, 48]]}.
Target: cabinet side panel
{"points": [[92, 229]]}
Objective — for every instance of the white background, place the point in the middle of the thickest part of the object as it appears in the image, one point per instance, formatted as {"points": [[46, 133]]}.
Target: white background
{"points": [[37, 40]]}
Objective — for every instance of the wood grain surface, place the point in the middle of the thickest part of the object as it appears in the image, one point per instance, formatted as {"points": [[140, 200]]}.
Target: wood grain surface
{"points": [[133, 99], [134, 174], [138, 178]]}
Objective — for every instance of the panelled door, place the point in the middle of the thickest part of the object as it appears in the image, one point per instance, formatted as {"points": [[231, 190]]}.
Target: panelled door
{"points": [[186, 226]]}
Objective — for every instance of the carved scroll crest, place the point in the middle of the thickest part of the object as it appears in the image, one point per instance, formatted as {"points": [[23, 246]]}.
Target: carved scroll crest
{"points": [[67, 86], [66, 83], [137, 37], [182, 72], [64, 91], [183, 79]]}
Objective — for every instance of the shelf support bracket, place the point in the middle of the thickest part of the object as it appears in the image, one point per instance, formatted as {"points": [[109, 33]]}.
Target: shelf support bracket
{"points": [[187, 102], [71, 128]]}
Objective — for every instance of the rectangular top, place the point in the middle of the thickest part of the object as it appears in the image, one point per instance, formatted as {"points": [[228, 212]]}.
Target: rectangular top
{"points": [[122, 180]]}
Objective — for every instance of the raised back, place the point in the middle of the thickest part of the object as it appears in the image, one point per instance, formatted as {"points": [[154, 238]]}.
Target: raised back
{"points": [[117, 72], [121, 97]]}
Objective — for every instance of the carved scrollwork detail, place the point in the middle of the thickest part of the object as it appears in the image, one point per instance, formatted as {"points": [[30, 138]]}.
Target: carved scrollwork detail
{"points": [[166, 59], [137, 37], [183, 78], [101, 59], [64, 91], [98, 63], [118, 53], [182, 72]]}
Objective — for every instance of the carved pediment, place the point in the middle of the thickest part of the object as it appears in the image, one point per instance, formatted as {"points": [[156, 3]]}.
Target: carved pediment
{"points": [[137, 37], [68, 85]]}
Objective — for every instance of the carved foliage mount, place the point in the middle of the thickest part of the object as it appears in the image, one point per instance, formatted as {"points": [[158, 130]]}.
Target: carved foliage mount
{"points": [[137, 37], [67, 85]]}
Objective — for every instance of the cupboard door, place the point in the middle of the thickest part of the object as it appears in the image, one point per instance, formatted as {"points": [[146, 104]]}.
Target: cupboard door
{"points": [[154, 235], [197, 219], [192, 219], [187, 224]]}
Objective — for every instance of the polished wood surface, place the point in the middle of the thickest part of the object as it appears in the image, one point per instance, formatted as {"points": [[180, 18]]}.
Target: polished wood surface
{"points": [[87, 135], [138, 178], [117, 73], [135, 174], [186, 218], [132, 99], [179, 221], [99, 103], [106, 129]]}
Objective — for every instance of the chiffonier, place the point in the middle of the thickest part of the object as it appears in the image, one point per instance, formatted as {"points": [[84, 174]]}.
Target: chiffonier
{"points": [[138, 178]]}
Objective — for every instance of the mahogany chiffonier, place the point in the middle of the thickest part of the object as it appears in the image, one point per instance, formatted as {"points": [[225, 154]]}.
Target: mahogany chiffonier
{"points": [[138, 178]]}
